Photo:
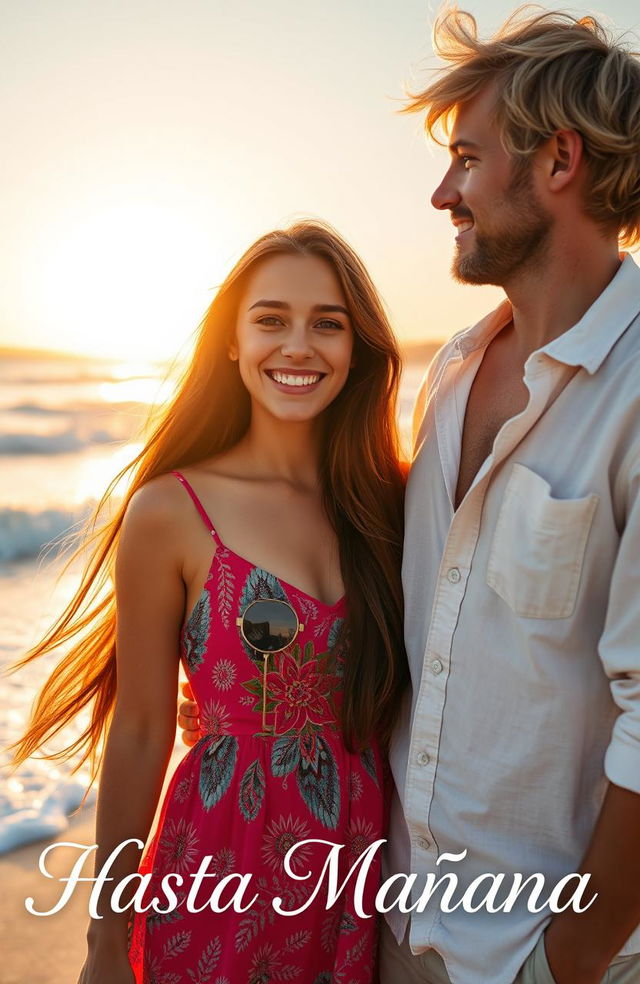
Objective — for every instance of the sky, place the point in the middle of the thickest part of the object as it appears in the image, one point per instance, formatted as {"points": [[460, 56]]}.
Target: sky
{"points": [[147, 143]]}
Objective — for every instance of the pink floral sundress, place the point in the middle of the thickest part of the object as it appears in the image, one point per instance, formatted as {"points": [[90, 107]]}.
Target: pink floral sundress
{"points": [[244, 798]]}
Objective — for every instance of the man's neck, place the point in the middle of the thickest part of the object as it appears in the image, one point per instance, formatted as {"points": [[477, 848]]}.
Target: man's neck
{"points": [[548, 301]]}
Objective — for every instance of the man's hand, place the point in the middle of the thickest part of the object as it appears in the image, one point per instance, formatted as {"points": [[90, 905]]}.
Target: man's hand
{"points": [[189, 716], [580, 946]]}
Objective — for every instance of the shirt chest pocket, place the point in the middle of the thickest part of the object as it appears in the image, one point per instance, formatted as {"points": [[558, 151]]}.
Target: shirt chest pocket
{"points": [[538, 546]]}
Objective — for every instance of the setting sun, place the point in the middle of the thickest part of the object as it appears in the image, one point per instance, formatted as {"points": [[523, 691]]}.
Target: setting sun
{"points": [[129, 278]]}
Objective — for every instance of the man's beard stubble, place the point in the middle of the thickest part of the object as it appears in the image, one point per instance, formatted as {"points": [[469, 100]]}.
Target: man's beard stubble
{"points": [[498, 256]]}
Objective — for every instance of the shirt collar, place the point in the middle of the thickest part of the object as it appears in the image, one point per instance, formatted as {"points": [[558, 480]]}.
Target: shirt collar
{"points": [[481, 334], [590, 340]]}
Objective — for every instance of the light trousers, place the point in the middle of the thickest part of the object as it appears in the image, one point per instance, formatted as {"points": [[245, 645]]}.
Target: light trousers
{"points": [[398, 965]]}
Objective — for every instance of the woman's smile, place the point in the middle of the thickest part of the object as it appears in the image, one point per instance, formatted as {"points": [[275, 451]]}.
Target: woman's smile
{"points": [[295, 381]]}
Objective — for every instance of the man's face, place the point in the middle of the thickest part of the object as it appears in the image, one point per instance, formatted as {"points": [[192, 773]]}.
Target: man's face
{"points": [[502, 226]]}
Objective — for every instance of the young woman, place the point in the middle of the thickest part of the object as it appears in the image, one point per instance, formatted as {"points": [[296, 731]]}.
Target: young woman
{"points": [[259, 542]]}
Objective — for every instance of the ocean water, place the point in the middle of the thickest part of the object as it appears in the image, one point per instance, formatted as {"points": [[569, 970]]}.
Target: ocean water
{"points": [[67, 426]]}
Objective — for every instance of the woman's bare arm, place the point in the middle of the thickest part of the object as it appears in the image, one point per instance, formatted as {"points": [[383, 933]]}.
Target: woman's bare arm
{"points": [[150, 607]]}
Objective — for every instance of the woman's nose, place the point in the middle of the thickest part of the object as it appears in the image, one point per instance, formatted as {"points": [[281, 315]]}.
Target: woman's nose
{"points": [[297, 343]]}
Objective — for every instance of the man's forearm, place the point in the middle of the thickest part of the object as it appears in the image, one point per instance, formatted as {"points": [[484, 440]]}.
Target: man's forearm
{"points": [[580, 946]]}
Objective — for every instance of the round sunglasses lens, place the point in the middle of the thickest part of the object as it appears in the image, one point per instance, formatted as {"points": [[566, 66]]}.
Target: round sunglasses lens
{"points": [[269, 626]]}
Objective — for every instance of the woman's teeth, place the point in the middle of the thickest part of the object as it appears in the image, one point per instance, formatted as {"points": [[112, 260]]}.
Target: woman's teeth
{"points": [[287, 380]]}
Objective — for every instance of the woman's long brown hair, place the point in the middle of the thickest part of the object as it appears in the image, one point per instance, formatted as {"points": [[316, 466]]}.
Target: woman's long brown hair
{"points": [[362, 490]]}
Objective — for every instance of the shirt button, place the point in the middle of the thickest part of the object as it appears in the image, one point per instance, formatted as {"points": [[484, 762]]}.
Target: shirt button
{"points": [[423, 758], [424, 843], [453, 575], [436, 667]]}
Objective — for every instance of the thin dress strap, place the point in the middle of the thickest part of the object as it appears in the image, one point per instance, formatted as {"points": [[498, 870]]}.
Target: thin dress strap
{"points": [[198, 504]]}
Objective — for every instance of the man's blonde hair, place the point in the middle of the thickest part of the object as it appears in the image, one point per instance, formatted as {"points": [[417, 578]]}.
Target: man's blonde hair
{"points": [[551, 72]]}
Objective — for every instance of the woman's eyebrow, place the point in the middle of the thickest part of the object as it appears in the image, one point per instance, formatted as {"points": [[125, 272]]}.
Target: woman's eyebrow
{"points": [[330, 307], [283, 306], [274, 304]]}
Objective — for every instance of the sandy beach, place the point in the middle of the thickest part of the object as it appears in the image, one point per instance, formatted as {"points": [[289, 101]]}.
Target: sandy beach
{"points": [[43, 950]]}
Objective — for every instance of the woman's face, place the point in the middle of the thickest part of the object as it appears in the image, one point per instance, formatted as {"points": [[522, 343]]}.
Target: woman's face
{"points": [[294, 340]]}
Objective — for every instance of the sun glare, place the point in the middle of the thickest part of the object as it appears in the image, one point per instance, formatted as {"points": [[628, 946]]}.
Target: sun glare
{"points": [[130, 282], [143, 390], [97, 472]]}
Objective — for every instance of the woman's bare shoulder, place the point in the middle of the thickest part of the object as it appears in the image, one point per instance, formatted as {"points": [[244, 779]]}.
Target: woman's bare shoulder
{"points": [[159, 507]]}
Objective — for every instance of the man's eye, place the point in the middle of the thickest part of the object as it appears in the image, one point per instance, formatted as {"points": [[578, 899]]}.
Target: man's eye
{"points": [[270, 321], [328, 325]]}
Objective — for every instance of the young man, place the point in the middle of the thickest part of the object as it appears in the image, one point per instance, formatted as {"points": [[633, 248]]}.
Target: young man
{"points": [[521, 570]]}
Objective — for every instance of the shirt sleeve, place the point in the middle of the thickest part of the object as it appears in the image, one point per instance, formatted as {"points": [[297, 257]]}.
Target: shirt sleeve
{"points": [[620, 645]]}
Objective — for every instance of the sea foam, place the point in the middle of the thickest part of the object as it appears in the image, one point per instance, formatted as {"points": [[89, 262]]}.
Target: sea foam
{"points": [[45, 820], [25, 534]]}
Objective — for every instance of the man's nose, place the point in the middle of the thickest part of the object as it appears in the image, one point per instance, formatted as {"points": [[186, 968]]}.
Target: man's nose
{"points": [[446, 194]]}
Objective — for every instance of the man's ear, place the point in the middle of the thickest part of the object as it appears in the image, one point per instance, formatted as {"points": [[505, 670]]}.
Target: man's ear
{"points": [[563, 155]]}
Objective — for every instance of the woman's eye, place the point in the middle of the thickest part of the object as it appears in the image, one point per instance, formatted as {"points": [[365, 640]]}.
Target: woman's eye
{"points": [[270, 321], [466, 161], [328, 325]]}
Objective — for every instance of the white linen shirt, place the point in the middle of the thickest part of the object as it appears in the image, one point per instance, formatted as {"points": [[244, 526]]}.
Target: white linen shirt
{"points": [[522, 629]]}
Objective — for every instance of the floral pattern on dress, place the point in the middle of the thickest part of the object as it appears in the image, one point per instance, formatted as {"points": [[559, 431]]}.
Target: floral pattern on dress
{"points": [[224, 584], [209, 957], [196, 633], [214, 719], [301, 690], [244, 798], [223, 674], [223, 862], [216, 769], [359, 837], [268, 965], [280, 836], [178, 845], [252, 790]]}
